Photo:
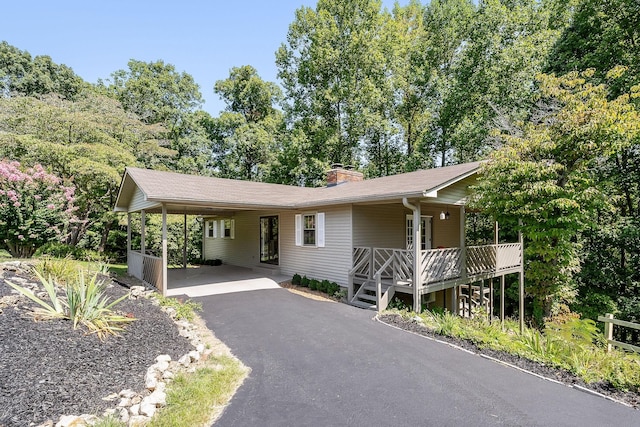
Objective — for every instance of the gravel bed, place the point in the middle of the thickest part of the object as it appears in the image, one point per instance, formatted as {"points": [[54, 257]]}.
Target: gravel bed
{"points": [[546, 371], [48, 369]]}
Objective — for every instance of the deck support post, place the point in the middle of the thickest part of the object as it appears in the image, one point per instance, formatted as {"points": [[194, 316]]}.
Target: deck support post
{"points": [[143, 226], [491, 300], [470, 290], [482, 296], [521, 296], [454, 300], [184, 247], [164, 250], [502, 300]]}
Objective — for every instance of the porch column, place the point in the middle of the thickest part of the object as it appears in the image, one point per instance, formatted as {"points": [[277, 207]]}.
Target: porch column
{"points": [[521, 297], [417, 257], [164, 250], [463, 244], [184, 248], [143, 217]]}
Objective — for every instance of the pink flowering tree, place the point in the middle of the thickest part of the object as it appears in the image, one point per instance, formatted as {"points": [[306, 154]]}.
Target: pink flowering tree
{"points": [[35, 208]]}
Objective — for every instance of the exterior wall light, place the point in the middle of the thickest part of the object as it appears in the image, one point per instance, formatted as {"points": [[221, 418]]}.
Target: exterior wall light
{"points": [[445, 215]]}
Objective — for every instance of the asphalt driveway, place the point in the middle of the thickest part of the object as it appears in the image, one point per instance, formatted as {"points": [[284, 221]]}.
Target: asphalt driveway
{"points": [[328, 364]]}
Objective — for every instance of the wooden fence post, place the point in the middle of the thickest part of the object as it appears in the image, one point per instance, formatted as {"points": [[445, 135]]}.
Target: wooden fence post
{"points": [[608, 331]]}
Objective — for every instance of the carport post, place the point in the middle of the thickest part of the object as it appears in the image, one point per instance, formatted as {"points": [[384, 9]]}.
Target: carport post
{"points": [[143, 217], [128, 234], [164, 250]]}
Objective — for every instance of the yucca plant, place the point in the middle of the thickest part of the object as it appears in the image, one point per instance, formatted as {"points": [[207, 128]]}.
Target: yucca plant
{"points": [[84, 303], [88, 305], [54, 310]]}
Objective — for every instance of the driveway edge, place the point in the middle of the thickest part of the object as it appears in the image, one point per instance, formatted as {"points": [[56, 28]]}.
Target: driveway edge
{"points": [[457, 347]]}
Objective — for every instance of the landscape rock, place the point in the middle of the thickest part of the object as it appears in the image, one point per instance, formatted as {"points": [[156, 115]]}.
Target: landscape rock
{"points": [[147, 409], [151, 379], [157, 398], [135, 409], [185, 360], [194, 355], [128, 393], [71, 421], [124, 415]]}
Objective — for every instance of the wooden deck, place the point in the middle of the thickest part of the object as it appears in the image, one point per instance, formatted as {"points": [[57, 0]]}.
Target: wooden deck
{"points": [[378, 273]]}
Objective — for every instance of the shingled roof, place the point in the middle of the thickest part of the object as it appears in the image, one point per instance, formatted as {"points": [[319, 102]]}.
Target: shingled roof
{"points": [[176, 189]]}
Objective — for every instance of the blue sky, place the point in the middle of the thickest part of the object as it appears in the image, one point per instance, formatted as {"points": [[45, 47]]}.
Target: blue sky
{"points": [[204, 38]]}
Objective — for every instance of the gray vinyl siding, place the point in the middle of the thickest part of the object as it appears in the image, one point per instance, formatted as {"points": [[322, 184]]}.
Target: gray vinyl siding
{"points": [[331, 262], [444, 233], [456, 194], [380, 226], [244, 249], [384, 226], [139, 203]]}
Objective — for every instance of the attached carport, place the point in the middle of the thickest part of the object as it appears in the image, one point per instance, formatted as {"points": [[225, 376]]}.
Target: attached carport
{"points": [[143, 192]]}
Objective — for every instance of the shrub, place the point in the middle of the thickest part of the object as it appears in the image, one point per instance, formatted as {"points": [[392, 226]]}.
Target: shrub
{"points": [[323, 286], [61, 250], [296, 280], [35, 206], [333, 288], [304, 282], [313, 284], [62, 270]]}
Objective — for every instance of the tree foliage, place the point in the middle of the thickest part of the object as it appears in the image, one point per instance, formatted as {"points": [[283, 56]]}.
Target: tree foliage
{"points": [[35, 208], [542, 176], [22, 74]]}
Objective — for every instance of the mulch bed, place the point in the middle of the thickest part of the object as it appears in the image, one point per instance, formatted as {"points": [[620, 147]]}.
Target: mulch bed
{"points": [[546, 371], [48, 369]]}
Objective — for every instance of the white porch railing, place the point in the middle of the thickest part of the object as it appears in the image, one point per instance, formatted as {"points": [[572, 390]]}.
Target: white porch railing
{"points": [[147, 268], [438, 265]]}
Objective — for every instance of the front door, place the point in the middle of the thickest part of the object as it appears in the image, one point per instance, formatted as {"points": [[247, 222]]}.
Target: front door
{"points": [[269, 239], [425, 232]]}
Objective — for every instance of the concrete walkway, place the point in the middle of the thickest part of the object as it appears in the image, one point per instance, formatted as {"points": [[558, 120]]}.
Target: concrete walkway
{"points": [[318, 363], [206, 280]]}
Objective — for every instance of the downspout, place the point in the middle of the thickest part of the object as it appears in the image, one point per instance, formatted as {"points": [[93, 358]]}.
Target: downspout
{"points": [[417, 244]]}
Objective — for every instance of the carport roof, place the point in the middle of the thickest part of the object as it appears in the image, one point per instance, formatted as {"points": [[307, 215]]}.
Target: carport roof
{"points": [[149, 189]]}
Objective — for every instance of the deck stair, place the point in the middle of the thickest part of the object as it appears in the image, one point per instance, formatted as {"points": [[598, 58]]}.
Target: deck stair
{"points": [[366, 296]]}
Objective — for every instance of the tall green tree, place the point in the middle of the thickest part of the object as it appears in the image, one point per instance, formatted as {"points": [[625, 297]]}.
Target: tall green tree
{"points": [[245, 137], [493, 73], [155, 92], [22, 74], [88, 143], [330, 70], [543, 176], [602, 35]]}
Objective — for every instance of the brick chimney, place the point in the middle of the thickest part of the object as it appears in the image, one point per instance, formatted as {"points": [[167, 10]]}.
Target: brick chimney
{"points": [[339, 174]]}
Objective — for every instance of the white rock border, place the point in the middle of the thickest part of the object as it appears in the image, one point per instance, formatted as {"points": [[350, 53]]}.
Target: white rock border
{"points": [[137, 409]]}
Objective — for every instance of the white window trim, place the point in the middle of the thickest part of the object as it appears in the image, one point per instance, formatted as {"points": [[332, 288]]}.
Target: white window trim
{"points": [[218, 228], [319, 229]]}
